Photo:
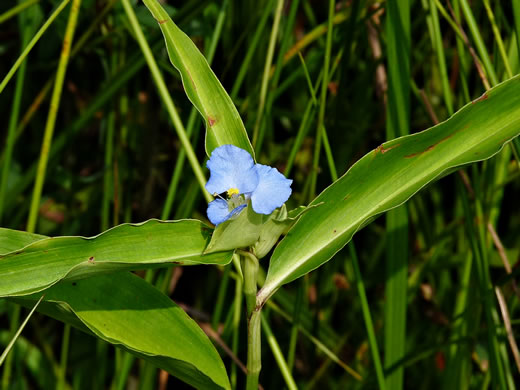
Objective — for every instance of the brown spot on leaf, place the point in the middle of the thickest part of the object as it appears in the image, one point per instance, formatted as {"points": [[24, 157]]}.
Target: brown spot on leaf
{"points": [[162, 21], [429, 148], [91, 260], [412, 155], [191, 78], [483, 97], [211, 120], [381, 149]]}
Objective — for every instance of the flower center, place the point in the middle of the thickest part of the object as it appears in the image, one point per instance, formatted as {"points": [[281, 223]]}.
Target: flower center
{"points": [[235, 201], [232, 191]]}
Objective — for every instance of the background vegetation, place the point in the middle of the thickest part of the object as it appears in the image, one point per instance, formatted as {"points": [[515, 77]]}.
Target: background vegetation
{"points": [[115, 157]]}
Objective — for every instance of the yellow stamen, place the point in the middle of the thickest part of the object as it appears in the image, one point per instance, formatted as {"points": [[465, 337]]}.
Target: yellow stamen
{"points": [[233, 191]]}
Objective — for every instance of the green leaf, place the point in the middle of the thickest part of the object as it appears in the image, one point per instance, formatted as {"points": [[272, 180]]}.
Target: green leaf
{"points": [[128, 312], [223, 123], [389, 175], [11, 240], [151, 244]]}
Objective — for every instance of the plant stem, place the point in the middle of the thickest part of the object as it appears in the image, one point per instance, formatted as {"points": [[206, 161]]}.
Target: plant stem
{"points": [[254, 352], [250, 273]]}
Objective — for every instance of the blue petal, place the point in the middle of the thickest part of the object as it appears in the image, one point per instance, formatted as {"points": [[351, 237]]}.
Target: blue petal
{"points": [[272, 191], [231, 167], [218, 211]]}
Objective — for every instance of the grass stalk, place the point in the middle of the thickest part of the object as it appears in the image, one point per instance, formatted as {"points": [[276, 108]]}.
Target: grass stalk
{"points": [[26, 28], [298, 307], [498, 39], [31, 44], [53, 113], [16, 10], [252, 46], [367, 317], [277, 353], [64, 356], [6, 357], [78, 45], [459, 361], [221, 295], [323, 101], [397, 124], [265, 77], [439, 49], [108, 177], [516, 17], [193, 120], [478, 245], [166, 99], [479, 42], [273, 84]]}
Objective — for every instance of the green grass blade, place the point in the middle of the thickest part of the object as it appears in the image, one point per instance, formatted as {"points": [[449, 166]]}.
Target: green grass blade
{"points": [[126, 311], [257, 137], [193, 121], [498, 39], [478, 245], [129, 246], [479, 42], [252, 46], [516, 17], [31, 44], [439, 50], [397, 124], [389, 175], [223, 123], [26, 22], [323, 100], [16, 10], [280, 360], [65, 343], [52, 115], [166, 98], [18, 332], [369, 325]]}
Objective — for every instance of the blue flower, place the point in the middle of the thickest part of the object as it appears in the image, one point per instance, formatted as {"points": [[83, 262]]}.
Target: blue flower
{"points": [[235, 178]]}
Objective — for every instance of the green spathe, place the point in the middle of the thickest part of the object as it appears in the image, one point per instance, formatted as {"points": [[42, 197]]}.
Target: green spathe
{"points": [[249, 229]]}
